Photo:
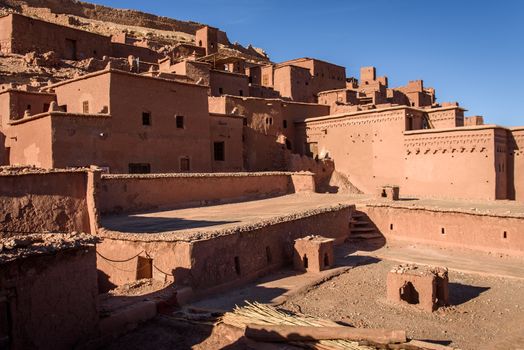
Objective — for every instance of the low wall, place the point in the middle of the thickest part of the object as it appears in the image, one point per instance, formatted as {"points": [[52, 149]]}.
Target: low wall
{"points": [[33, 201], [483, 232], [223, 259], [53, 299], [132, 193]]}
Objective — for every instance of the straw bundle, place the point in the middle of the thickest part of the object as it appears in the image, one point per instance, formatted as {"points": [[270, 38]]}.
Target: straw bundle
{"points": [[255, 313]]}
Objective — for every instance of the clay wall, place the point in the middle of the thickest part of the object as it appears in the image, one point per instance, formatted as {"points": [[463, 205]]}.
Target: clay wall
{"points": [[473, 120], [207, 37], [176, 131], [488, 233], [163, 143], [294, 82], [124, 50], [131, 193], [91, 88], [14, 103], [269, 127], [209, 264], [267, 76], [453, 163], [228, 83], [43, 202], [81, 140], [172, 261], [262, 92], [516, 164], [226, 129], [325, 75], [213, 260], [366, 146], [334, 98], [196, 71], [29, 142], [30, 34], [186, 50], [53, 299], [6, 34], [441, 118]]}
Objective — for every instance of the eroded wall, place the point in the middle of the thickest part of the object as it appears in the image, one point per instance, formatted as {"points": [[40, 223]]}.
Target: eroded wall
{"points": [[30, 34], [43, 202], [53, 299], [211, 265]]}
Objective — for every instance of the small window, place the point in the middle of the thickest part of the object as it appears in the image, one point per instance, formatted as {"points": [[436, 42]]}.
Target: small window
{"points": [[28, 107], [284, 124], [179, 121], [85, 107], [220, 91], [240, 93], [139, 168], [212, 45], [237, 265], [505, 234], [46, 107], [185, 164], [146, 118], [219, 151], [443, 231], [200, 43]]}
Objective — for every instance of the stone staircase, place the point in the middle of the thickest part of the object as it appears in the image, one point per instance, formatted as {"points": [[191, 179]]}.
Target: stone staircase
{"points": [[362, 228]]}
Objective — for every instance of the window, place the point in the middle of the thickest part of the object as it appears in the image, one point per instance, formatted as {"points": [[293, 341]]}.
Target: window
{"points": [[219, 151], [139, 168], [146, 118], [184, 164], [240, 93], [46, 107], [200, 43], [179, 121], [220, 91], [284, 124], [28, 107], [85, 107]]}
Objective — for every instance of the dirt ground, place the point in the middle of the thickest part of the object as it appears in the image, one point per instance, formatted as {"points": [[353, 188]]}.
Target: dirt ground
{"points": [[484, 308], [486, 312]]}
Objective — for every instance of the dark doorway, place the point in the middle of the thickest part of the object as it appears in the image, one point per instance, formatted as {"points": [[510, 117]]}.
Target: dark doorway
{"points": [[144, 268], [409, 294], [70, 50]]}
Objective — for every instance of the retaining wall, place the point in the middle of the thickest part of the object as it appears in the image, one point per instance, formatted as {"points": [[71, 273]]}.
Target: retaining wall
{"points": [[132, 193]]}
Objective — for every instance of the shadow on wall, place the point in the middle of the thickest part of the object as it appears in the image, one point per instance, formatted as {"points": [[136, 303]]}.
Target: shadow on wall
{"points": [[461, 293], [145, 224]]}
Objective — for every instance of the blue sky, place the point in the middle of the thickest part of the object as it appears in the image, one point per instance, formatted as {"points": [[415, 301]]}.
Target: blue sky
{"points": [[470, 51]]}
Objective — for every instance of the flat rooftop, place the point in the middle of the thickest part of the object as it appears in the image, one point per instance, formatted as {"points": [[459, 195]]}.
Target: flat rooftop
{"points": [[192, 224], [498, 208]]}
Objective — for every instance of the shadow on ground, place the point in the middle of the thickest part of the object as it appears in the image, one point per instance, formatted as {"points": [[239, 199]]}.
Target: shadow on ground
{"points": [[461, 293], [146, 224]]}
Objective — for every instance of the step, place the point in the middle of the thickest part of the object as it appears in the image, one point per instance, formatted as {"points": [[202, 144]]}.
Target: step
{"points": [[357, 215], [361, 223], [363, 229], [371, 235]]}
